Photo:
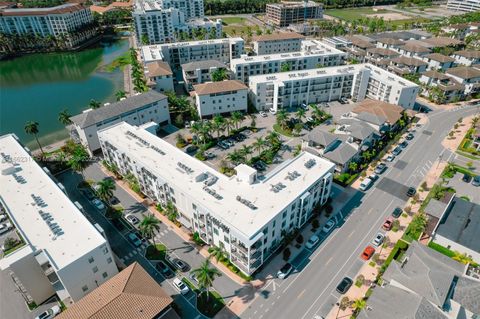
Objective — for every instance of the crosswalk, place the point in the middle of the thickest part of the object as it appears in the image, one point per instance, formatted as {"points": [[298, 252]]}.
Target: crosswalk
{"points": [[141, 249]]}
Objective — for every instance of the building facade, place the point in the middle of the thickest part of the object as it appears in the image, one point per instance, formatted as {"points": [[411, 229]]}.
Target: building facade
{"points": [[159, 76], [190, 8], [277, 43], [244, 215], [200, 72], [139, 109], [53, 259], [282, 14], [314, 54], [54, 21], [220, 97], [359, 81], [176, 54], [463, 5]]}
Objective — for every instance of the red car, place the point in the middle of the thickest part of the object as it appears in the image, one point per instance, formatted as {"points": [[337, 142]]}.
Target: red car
{"points": [[387, 225], [368, 253]]}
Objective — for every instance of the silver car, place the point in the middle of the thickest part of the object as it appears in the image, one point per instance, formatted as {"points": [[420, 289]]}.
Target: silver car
{"points": [[378, 240]]}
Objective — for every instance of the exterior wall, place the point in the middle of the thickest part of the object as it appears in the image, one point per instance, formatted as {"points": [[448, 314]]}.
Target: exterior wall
{"points": [[465, 61], [277, 46], [456, 246], [439, 66], [156, 26], [197, 76], [163, 83], [283, 15], [156, 112], [463, 5], [469, 83], [190, 8], [208, 105]]}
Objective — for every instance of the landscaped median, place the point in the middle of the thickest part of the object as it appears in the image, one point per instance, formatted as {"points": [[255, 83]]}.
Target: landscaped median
{"points": [[156, 252], [208, 306]]}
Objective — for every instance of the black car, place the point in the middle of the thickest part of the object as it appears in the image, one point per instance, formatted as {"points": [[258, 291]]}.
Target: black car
{"points": [[88, 194], [410, 136], [466, 178], [411, 191], [397, 151], [114, 201], [344, 285], [164, 270], [404, 144], [179, 264], [397, 212]]}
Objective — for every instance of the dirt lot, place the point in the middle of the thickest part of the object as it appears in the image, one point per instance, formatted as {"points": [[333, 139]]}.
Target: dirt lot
{"points": [[389, 16]]}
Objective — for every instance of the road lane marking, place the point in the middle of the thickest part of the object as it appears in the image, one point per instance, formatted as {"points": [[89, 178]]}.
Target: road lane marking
{"points": [[301, 294], [351, 234], [328, 261]]}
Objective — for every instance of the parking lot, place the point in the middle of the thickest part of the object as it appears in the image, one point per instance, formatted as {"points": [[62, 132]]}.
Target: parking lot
{"points": [[465, 189]]}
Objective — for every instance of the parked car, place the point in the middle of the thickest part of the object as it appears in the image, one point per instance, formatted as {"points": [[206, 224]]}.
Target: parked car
{"points": [[191, 149], [285, 271], [373, 177], [5, 227], [312, 242], [329, 226], [98, 204], [397, 150], [397, 212], [272, 111], [181, 286], [132, 219], [114, 201], [378, 240], [365, 184], [88, 194], [49, 313], [230, 142], [209, 155], [388, 223], [380, 168], [307, 127], [179, 264], [3, 217], [390, 158], [409, 136], [404, 144], [343, 100], [164, 270], [411, 191], [466, 178], [134, 239], [309, 119], [476, 181], [223, 145], [263, 114], [367, 253], [344, 285]]}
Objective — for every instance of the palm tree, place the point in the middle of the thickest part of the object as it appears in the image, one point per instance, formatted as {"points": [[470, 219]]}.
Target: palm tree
{"points": [[217, 253], [259, 144], [32, 129], [64, 117], [228, 125], [463, 258], [205, 276], [246, 150], [120, 94], [301, 113], [105, 189], [282, 118], [359, 304], [79, 159], [236, 118], [94, 104], [273, 137], [149, 226], [218, 124], [235, 157], [353, 166], [219, 75], [253, 120], [171, 212]]}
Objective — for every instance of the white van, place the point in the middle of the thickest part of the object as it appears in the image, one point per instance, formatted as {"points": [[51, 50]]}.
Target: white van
{"points": [[365, 184]]}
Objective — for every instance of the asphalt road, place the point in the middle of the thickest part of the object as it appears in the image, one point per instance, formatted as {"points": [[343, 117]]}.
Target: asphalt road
{"points": [[310, 292]]}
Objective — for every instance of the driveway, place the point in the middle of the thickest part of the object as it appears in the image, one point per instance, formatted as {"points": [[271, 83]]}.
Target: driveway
{"points": [[465, 189]]}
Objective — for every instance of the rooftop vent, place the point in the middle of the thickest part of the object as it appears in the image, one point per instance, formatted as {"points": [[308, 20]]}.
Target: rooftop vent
{"points": [[246, 202], [212, 192], [292, 175], [310, 163], [277, 187], [185, 167], [156, 149]]}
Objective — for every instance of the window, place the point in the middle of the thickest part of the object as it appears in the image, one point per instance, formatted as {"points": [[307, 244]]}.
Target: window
{"points": [[105, 275], [95, 269], [215, 230], [85, 288], [109, 260], [91, 260], [105, 250]]}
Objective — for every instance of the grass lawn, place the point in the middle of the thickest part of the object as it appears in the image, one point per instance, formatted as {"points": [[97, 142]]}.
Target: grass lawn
{"points": [[352, 14], [156, 254], [211, 306], [441, 249], [230, 20], [280, 130], [238, 30]]}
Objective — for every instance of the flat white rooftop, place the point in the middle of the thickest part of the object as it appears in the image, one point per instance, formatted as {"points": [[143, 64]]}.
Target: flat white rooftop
{"points": [[184, 171], [328, 71], [25, 191], [316, 49]]}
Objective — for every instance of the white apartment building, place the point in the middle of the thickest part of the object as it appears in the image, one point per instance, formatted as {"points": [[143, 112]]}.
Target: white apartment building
{"points": [[159, 76], [179, 53], [53, 21], [244, 215], [139, 109], [220, 97], [63, 253], [359, 81], [156, 24], [190, 8], [463, 5], [200, 72], [314, 54], [277, 43]]}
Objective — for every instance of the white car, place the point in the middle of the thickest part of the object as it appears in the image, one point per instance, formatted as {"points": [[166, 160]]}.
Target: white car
{"points": [[273, 111], [49, 313], [378, 240], [309, 119], [328, 226], [312, 242], [390, 158], [5, 227], [98, 204], [3, 217], [365, 184], [132, 219], [263, 114], [180, 285]]}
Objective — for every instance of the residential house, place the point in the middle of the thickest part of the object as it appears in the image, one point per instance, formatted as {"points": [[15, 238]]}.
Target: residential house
{"points": [[384, 116], [389, 43], [159, 76], [380, 57], [132, 293], [424, 284], [407, 65], [468, 76], [139, 109], [438, 62], [448, 88], [414, 48], [457, 31], [467, 57], [443, 42], [357, 47], [200, 72], [220, 97]]}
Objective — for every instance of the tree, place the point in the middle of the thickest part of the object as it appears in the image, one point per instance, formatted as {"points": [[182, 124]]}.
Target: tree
{"points": [[64, 117], [31, 128], [237, 118], [463, 258], [218, 124], [120, 95], [219, 75], [94, 104], [353, 166], [79, 159], [259, 144], [285, 67], [206, 276], [301, 114], [217, 252], [149, 226], [171, 212], [246, 151], [282, 118], [105, 189], [236, 157], [253, 120], [359, 304]]}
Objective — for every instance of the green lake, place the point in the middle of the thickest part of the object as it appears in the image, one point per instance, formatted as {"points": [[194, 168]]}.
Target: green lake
{"points": [[37, 87]]}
